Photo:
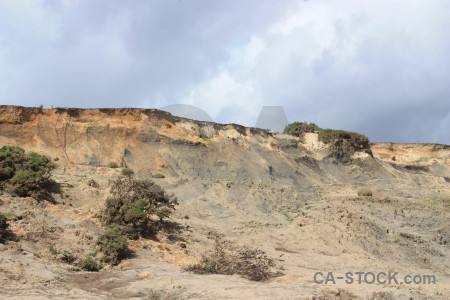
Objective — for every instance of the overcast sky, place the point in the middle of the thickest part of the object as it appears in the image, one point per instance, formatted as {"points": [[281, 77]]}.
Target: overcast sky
{"points": [[381, 68]]}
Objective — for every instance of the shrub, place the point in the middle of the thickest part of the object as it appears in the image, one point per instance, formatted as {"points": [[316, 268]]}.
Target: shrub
{"points": [[158, 175], [127, 172], [216, 262], [113, 165], [53, 250], [25, 174], [3, 227], [393, 158], [365, 192], [252, 264], [90, 264], [113, 245], [163, 295], [137, 206], [93, 183], [68, 257], [325, 135], [298, 128]]}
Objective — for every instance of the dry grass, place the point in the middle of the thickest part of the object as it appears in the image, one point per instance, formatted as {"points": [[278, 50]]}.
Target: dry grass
{"points": [[252, 264], [366, 192]]}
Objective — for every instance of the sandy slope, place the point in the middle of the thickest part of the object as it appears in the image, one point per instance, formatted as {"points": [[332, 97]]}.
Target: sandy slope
{"points": [[287, 197]]}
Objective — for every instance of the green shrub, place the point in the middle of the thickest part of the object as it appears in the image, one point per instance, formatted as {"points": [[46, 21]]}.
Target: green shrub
{"points": [[137, 206], [113, 245], [25, 174], [298, 128], [393, 158], [365, 192], [113, 165], [68, 257], [53, 250], [3, 227], [252, 264], [325, 135], [90, 264], [127, 172]]}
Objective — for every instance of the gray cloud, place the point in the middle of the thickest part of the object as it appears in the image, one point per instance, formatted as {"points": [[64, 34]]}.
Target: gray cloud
{"points": [[375, 67]]}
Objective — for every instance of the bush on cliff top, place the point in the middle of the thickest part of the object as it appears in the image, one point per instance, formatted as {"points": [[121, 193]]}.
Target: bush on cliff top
{"points": [[25, 174], [325, 135]]}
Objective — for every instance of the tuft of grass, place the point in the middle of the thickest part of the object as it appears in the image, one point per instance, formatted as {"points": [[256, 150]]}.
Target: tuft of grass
{"points": [[365, 192], [113, 165], [68, 257], [61, 279], [158, 175], [163, 295], [127, 172], [437, 203], [9, 214], [53, 250], [90, 264]]}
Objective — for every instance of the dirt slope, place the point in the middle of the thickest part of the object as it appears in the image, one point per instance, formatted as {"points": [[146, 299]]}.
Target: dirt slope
{"points": [[289, 197]]}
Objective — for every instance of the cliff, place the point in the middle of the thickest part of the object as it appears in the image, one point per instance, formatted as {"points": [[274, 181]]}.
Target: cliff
{"points": [[153, 141]]}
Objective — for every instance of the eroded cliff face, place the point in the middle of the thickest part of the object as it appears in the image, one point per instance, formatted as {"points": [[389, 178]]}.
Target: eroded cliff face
{"points": [[153, 141], [413, 153]]}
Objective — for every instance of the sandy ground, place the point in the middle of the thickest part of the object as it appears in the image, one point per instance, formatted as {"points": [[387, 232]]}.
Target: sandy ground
{"points": [[323, 228]]}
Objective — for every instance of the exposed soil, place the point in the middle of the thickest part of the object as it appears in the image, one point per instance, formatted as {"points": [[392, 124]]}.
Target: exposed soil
{"points": [[287, 197]]}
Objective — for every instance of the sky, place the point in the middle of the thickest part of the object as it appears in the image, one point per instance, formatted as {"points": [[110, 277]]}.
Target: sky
{"points": [[377, 67]]}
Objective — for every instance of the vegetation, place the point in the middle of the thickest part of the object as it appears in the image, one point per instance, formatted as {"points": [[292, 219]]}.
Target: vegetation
{"points": [[163, 295], [3, 227], [25, 174], [158, 175], [113, 245], [438, 203], [252, 264], [93, 183], [365, 192], [393, 158], [90, 264], [137, 207], [67, 257], [113, 165], [53, 250], [325, 135], [127, 172]]}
